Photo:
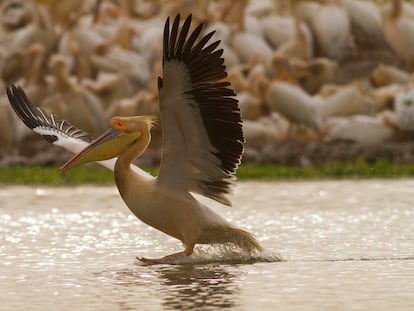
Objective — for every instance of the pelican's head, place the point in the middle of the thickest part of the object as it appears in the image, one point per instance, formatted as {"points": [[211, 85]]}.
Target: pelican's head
{"points": [[123, 132]]}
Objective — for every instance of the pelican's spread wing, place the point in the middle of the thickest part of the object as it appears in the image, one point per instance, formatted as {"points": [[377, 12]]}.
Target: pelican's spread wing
{"points": [[53, 129], [201, 122]]}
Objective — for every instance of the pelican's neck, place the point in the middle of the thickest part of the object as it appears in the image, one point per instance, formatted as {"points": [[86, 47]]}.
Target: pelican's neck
{"points": [[34, 73], [300, 34], [134, 150], [63, 79], [123, 164]]}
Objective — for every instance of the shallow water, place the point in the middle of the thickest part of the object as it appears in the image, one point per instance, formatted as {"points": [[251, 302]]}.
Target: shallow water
{"points": [[344, 245]]}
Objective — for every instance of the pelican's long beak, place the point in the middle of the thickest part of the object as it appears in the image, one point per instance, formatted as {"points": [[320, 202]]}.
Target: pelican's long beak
{"points": [[109, 145]]}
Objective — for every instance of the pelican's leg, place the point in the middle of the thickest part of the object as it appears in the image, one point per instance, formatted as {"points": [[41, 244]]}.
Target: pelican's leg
{"points": [[169, 258]]}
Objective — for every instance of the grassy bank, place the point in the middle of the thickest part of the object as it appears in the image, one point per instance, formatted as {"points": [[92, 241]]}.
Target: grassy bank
{"points": [[95, 174]]}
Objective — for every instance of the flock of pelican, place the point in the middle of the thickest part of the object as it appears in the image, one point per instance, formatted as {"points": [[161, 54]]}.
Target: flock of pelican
{"points": [[303, 71]]}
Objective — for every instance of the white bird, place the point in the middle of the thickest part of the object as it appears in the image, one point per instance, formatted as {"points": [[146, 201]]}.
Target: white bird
{"points": [[278, 30], [265, 130], [404, 110], [259, 8], [362, 129], [332, 29], [202, 146], [388, 74], [399, 33], [294, 104], [345, 101], [366, 17], [316, 73], [248, 46], [301, 44]]}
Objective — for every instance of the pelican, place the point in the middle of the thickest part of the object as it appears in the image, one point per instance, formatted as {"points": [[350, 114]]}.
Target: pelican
{"points": [[399, 33], [332, 29], [202, 145]]}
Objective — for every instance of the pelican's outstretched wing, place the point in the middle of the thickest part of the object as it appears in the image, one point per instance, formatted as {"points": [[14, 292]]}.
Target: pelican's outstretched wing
{"points": [[53, 129], [201, 122]]}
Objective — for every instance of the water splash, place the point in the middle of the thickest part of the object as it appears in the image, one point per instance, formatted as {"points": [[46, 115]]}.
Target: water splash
{"points": [[225, 254]]}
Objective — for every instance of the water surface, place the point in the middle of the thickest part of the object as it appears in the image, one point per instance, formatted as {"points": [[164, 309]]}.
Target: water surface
{"points": [[344, 245]]}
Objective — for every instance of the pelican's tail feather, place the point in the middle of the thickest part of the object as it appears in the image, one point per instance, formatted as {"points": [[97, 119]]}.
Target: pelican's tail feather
{"points": [[243, 239], [223, 235]]}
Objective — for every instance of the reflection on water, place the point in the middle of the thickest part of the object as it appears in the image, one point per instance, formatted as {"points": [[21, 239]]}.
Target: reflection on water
{"points": [[178, 287], [196, 287], [345, 244]]}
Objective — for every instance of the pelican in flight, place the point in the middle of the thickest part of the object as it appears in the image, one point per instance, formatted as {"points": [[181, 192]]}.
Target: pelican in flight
{"points": [[202, 145]]}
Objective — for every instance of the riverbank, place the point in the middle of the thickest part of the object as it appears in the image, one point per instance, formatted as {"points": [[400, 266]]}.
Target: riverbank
{"points": [[49, 175]]}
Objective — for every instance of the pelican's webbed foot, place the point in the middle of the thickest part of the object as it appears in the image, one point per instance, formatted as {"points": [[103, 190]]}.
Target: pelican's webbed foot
{"points": [[169, 259]]}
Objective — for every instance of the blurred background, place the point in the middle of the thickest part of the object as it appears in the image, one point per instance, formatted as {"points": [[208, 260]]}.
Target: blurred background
{"points": [[317, 81]]}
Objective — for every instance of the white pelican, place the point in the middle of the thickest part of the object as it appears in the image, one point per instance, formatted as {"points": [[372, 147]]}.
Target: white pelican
{"points": [[366, 18], [332, 29], [404, 109], [363, 129], [399, 34], [202, 145], [387, 74], [345, 101], [294, 104]]}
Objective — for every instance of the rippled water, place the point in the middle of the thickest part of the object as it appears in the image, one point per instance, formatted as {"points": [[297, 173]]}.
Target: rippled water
{"points": [[345, 245]]}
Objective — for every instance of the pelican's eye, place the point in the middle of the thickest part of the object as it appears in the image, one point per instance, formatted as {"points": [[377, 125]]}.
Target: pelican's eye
{"points": [[118, 125]]}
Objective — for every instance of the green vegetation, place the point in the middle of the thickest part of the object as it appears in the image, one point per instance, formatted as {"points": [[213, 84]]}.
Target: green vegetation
{"points": [[50, 175], [97, 174], [355, 169]]}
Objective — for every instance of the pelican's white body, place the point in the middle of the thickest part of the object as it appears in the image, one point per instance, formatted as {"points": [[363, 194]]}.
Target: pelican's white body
{"points": [[177, 214], [294, 103], [399, 34], [332, 30]]}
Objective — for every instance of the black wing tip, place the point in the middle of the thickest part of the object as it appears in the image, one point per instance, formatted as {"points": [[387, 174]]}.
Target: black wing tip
{"points": [[177, 19], [174, 48], [170, 35], [204, 61], [21, 105], [14, 90], [33, 116], [10, 87], [11, 91]]}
